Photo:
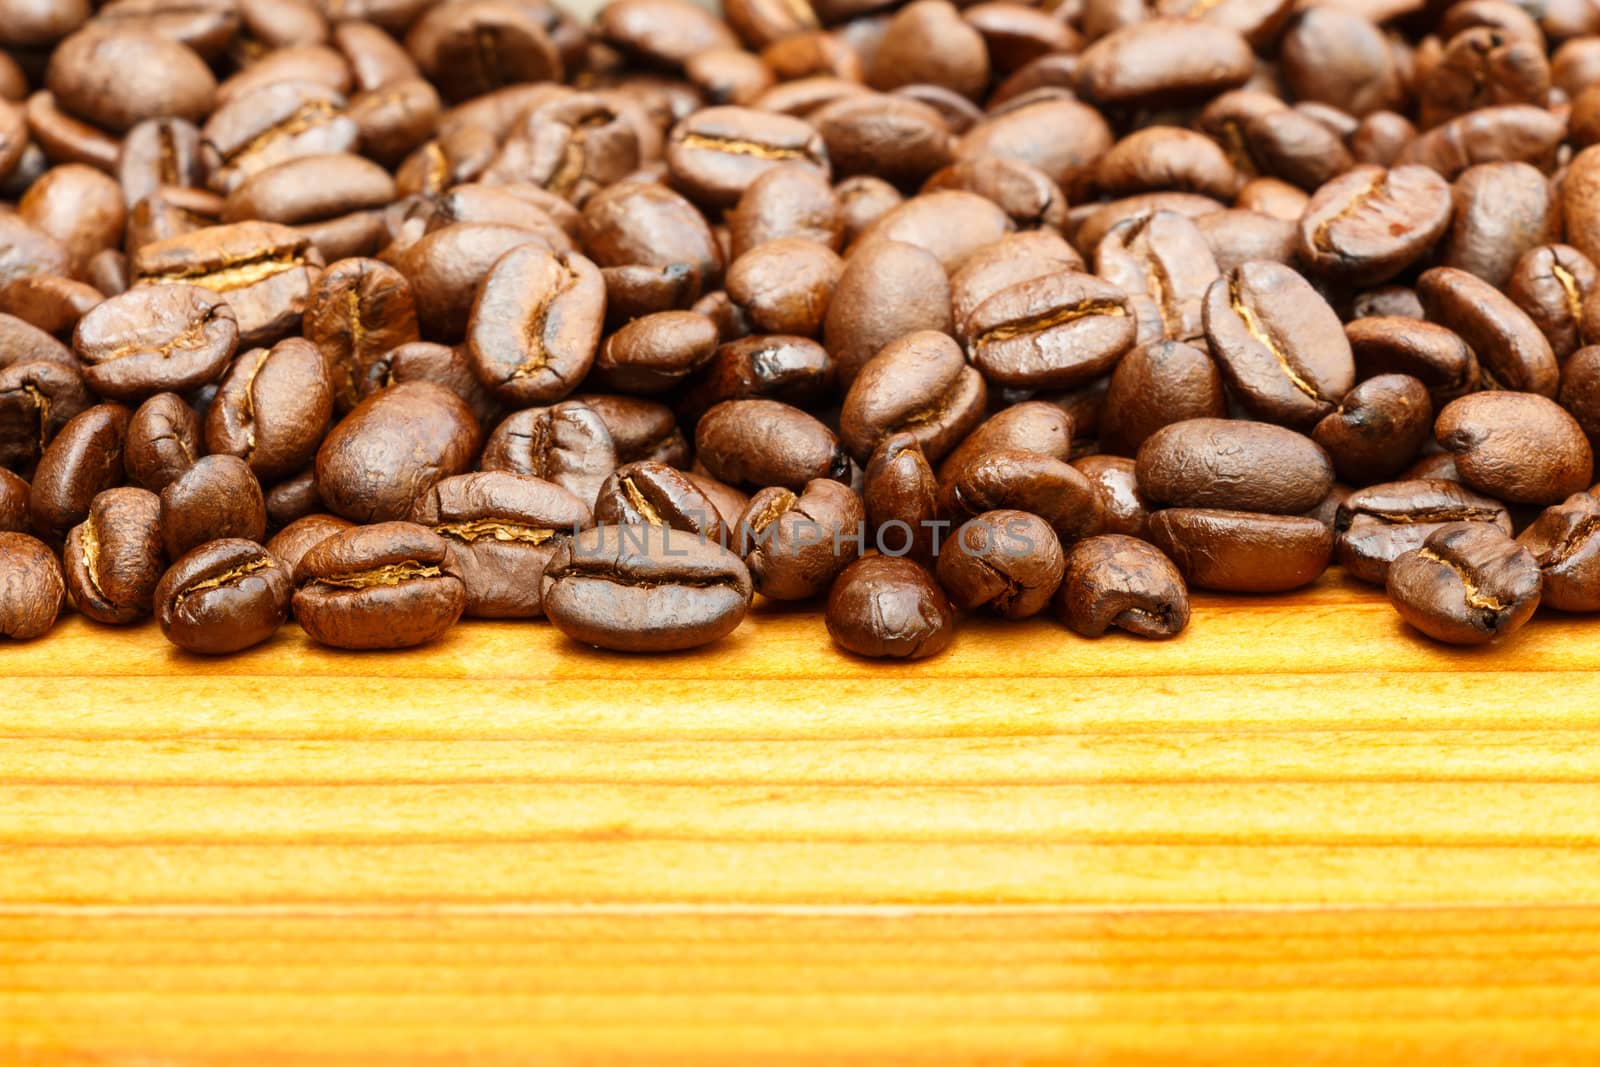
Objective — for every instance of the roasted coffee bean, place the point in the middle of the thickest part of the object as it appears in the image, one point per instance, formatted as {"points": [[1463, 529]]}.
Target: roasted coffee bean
{"points": [[1378, 524], [1565, 542], [1338, 57], [863, 200], [535, 325], [1432, 354], [1057, 331], [37, 399], [263, 270], [1163, 61], [1279, 199], [1115, 478], [32, 589], [951, 224], [653, 353], [1164, 158], [795, 370], [572, 145], [1233, 466], [1580, 389], [380, 459], [1021, 190], [216, 497], [163, 441], [80, 207], [335, 200], [929, 43], [661, 32], [14, 517], [1395, 301], [502, 528], [224, 596], [445, 269], [113, 559], [1468, 584], [1165, 266], [1580, 202], [766, 443], [1156, 385], [645, 589], [424, 361], [789, 200], [1122, 582], [795, 544], [716, 153], [1482, 66], [1378, 428], [567, 444], [1059, 135], [901, 498], [296, 539], [1019, 480], [887, 290], [117, 79], [1243, 552], [49, 302], [390, 585], [157, 338], [1008, 562], [83, 460], [650, 491], [1552, 283], [293, 498], [1369, 224], [889, 608], [891, 137], [360, 310], [478, 46], [1516, 447], [1031, 426], [1238, 236], [1502, 210], [272, 408], [1515, 133], [784, 286], [1280, 346], [920, 383], [636, 222], [639, 428]]}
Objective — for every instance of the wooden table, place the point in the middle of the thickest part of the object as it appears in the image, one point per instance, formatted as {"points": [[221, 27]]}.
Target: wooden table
{"points": [[1298, 832]]}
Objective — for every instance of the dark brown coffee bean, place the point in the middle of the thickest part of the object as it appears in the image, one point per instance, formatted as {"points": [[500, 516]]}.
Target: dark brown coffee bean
{"points": [[1053, 332], [1122, 582], [1031, 426], [1369, 224], [637, 290], [163, 441], [567, 444], [572, 145], [391, 585], [157, 338], [1396, 301], [1552, 284], [1116, 480], [1280, 346], [118, 79], [380, 459], [795, 370], [14, 517], [1378, 524], [765, 443], [1480, 66], [224, 596], [927, 42], [790, 200], [1012, 260], [729, 76], [1019, 480], [661, 32], [1502, 210], [645, 589], [785, 286], [394, 119], [654, 353], [1008, 562], [424, 361], [535, 324], [1243, 552], [335, 200], [292, 542], [951, 223], [1337, 57], [216, 497], [639, 223], [1468, 584], [25, 251], [887, 290], [1513, 353], [80, 207], [1291, 146], [920, 383], [522, 205], [271, 124], [1022, 191], [1565, 542], [1156, 385], [1378, 428], [502, 528], [1271, 196], [1233, 466], [359, 310], [1164, 159], [113, 559], [172, 211], [272, 408], [716, 153], [446, 266], [475, 47], [901, 498], [32, 589], [1516, 447], [889, 608], [650, 491], [640, 429], [863, 200], [796, 544], [1164, 265], [293, 498], [49, 302], [1580, 389], [83, 460], [1490, 135], [1380, 138], [1163, 61], [1435, 356], [37, 399], [892, 137], [762, 22]]}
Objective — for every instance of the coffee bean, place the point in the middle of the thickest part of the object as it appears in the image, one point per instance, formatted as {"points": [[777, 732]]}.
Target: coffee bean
{"points": [[928, 43], [716, 153], [640, 429], [1156, 385], [1378, 524], [1435, 356], [1023, 191], [37, 400], [14, 516], [1397, 301], [49, 302], [652, 492], [1552, 283], [897, 139], [1502, 210], [887, 290], [1516, 447], [333, 199], [1122, 582], [567, 444], [784, 286], [1233, 466], [1340, 58], [272, 408], [889, 608], [1016, 480], [795, 544], [765, 443], [951, 224], [1238, 236], [1516, 133], [1115, 479], [1243, 552], [1378, 429], [1057, 331], [1163, 61], [360, 310], [1369, 224], [389, 585], [163, 441], [795, 370], [1031, 426], [379, 460], [789, 200], [117, 79], [296, 539], [1008, 562], [1565, 542], [1165, 158], [157, 338], [446, 266], [900, 493], [216, 497], [535, 325], [1279, 344], [293, 498], [1481, 66], [645, 589], [424, 361], [476, 47], [80, 207], [113, 558], [1164, 265], [920, 383], [223, 596], [661, 32], [1580, 389], [639, 223], [572, 145], [1468, 584], [863, 200], [83, 460], [32, 589]]}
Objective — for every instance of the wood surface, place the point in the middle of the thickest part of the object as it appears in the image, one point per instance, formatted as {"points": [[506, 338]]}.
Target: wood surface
{"points": [[1299, 833]]}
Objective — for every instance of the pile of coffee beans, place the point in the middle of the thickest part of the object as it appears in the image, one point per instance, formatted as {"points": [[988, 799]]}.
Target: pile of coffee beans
{"points": [[382, 313]]}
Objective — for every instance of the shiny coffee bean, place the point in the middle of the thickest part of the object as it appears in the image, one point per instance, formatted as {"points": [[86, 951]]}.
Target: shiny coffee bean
{"points": [[1007, 562], [795, 370], [1233, 466], [1565, 542], [14, 516], [1378, 428], [920, 383], [765, 443], [1432, 354], [1115, 478], [1502, 210], [795, 544], [37, 400], [424, 361], [716, 153], [650, 491], [164, 440], [653, 353], [887, 607], [32, 589], [83, 460], [1156, 385], [158, 338], [380, 459], [567, 444], [1243, 552], [1511, 350], [1378, 524], [887, 290], [390, 585], [216, 497], [360, 310], [640, 429], [113, 559], [785, 286], [1468, 584], [1516, 447], [900, 494], [297, 538], [1369, 224], [1057, 331], [272, 408], [1032, 426], [1163, 263], [1015, 480], [1552, 283], [1120, 582], [535, 325], [224, 596]]}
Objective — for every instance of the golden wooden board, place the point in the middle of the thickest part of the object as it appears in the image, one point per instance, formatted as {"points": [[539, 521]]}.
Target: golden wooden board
{"points": [[1298, 833]]}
